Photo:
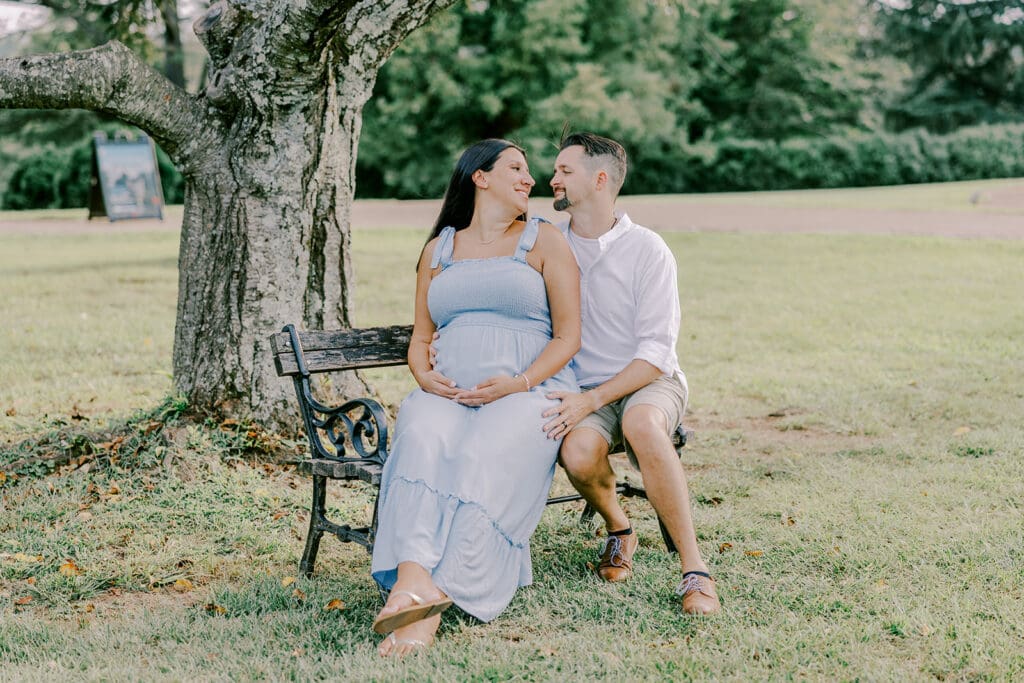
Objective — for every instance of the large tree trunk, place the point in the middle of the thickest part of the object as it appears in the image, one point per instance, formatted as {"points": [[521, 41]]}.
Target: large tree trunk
{"points": [[289, 175], [268, 153]]}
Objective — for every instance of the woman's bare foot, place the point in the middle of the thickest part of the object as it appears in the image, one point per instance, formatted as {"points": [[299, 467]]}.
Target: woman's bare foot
{"points": [[414, 599], [415, 637]]}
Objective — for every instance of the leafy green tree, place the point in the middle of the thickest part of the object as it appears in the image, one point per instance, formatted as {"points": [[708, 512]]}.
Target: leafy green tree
{"points": [[475, 71], [966, 57], [765, 80], [523, 70], [658, 75]]}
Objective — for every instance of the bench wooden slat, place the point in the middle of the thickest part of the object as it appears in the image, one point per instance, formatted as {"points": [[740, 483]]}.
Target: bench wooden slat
{"points": [[332, 469], [335, 350]]}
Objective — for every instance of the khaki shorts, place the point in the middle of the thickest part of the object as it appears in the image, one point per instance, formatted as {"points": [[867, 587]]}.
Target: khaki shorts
{"points": [[667, 393]]}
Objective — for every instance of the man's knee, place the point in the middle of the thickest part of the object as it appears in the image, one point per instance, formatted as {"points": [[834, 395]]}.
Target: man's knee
{"points": [[582, 453], [645, 428]]}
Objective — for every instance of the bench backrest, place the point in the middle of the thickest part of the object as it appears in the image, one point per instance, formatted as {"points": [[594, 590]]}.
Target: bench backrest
{"points": [[335, 350]]}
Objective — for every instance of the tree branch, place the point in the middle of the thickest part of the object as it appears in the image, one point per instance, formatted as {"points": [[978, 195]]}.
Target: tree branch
{"points": [[375, 29], [111, 79]]}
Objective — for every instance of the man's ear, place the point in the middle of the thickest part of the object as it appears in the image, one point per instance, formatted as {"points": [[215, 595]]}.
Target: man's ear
{"points": [[479, 179], [601, 180]]}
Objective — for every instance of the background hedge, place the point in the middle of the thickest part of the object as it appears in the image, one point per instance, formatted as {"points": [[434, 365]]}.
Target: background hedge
{"points": [[59, 179]]}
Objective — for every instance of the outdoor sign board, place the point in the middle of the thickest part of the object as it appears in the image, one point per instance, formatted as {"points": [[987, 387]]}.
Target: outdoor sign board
{"points": [[125, 180]]}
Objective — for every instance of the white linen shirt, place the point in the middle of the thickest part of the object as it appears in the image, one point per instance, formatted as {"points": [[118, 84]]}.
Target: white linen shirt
{"points": [[629, 301]]}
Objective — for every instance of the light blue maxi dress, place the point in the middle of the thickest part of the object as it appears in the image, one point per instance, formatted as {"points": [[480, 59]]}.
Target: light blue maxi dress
{"points": [[464, 488]]}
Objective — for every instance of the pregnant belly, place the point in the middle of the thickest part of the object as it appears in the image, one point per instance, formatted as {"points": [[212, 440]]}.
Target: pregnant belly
{"points": [[469, 354]]}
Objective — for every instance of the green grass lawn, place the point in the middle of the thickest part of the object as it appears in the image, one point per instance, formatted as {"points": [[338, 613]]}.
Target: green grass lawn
{"points": [[974, 196], [856, 467]]}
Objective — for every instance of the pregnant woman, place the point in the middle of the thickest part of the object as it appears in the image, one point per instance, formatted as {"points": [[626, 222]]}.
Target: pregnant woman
{"points": [[470, 465]]}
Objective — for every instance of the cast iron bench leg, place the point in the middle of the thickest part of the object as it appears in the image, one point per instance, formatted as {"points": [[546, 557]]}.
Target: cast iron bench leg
{"points": [[669, 543], [316, 530]]}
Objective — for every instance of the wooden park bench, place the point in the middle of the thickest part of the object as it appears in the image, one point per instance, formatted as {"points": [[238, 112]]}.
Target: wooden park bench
{"points": [[350, 441]]}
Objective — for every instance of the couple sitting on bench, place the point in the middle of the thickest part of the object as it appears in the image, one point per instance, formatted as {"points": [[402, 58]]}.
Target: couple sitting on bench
{"points": [[499, 301]]}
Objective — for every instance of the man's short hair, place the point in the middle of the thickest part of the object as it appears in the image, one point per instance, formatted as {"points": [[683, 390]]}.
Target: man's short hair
{"points": [[604, 149]]}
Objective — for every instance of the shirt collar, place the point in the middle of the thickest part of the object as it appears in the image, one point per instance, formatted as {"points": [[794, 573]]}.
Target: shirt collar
{"points": [[623, 224]]}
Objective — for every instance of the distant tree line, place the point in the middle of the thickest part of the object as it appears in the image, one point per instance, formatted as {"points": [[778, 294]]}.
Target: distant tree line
{"points": [[707, 95]]}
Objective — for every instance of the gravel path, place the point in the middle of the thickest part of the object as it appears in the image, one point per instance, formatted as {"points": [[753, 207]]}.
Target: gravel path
{"points": [[668, 214]]}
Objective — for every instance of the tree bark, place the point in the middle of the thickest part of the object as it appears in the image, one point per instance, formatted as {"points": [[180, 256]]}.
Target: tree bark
{"points": [[268, 154]]}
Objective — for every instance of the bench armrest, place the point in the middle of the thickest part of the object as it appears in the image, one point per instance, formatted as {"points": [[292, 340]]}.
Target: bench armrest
{"points": [[356, 431]]}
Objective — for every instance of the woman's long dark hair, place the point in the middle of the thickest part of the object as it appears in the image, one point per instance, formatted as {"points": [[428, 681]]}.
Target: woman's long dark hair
{"points": [[459, 199]]}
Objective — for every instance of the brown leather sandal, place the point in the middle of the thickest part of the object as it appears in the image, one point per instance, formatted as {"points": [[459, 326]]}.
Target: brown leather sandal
{"points": [[419, 609]]}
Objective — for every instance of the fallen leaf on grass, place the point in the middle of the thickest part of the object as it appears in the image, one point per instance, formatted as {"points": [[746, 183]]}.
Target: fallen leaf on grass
{"points": [[279, 514], [31, 580], [287, 581], [960, 431], [24, 600], [298, 594], [22, 557], [89, 608], [298, 652], [11, 412], [753, 553], [69, 568], [788, 520], [111, 446], [334, 604], [722, 547], [3, 478], [183, 585], [925, 630], [214, 608]]}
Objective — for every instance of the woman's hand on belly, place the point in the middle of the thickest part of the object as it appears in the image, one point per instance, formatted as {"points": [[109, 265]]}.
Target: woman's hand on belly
{"points": [[490, 389], [433, 382]]}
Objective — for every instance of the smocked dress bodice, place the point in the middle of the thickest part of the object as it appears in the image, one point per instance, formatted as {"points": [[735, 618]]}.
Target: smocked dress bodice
{"points": [[491, 314]]}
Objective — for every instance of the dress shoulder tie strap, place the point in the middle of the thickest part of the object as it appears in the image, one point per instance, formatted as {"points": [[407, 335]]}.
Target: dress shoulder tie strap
{"points": [[528, 238], [444, 248]]}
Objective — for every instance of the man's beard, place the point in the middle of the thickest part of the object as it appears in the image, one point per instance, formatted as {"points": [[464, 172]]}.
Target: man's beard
{"points": [[562, 203]]}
